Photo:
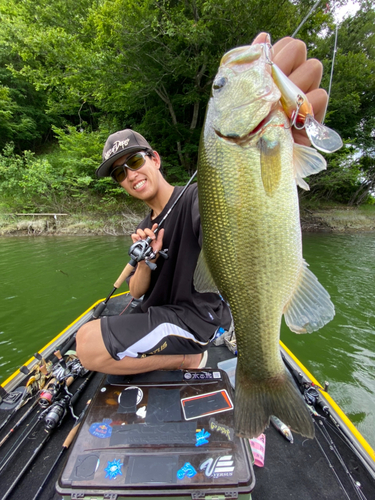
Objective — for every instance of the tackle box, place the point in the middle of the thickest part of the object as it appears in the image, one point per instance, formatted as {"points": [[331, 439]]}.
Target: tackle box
{"points": [[164, 434]]}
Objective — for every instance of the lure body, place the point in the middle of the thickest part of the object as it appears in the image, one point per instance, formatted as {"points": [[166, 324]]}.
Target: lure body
{"points": [[300, 111], [282, 428], [293, 100]]}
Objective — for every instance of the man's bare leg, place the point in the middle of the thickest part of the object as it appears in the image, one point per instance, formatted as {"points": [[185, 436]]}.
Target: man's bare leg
{"points": [[94, 356]]}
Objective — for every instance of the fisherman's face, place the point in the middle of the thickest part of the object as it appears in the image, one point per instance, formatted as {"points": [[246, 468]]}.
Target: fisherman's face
{"points": [[144, 182]]}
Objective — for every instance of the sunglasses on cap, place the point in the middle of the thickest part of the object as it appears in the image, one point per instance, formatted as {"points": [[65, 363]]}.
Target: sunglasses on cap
{"points": [[134, 162]]}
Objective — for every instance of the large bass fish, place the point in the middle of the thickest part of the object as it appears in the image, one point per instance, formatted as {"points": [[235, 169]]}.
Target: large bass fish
{"points": [[248, 171]]}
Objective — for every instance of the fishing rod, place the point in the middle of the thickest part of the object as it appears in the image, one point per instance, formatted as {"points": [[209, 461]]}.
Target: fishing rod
{"points": [[22, 438], [53, 418], [27, 372], [63, 378], [46, 369], [140, 250], [65, 446], [62, 373], [42, 369], [313, 399], [356, 486], [19, 422], [22, 402]]}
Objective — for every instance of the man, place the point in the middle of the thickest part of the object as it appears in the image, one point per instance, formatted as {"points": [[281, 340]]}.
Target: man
{"points": [[173, 326]]}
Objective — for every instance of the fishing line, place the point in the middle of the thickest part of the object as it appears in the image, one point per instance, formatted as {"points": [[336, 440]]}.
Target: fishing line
{"points": [[122, 312], [332, 66], [335, 428], [333, 448], [330, 464], [306, 17]]}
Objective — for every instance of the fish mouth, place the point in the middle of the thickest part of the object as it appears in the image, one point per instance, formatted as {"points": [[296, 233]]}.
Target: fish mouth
{"points": [[244, 139]]}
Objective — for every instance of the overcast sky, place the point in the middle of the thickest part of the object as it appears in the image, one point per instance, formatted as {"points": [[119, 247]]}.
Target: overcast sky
{"points": [[348, 10]]}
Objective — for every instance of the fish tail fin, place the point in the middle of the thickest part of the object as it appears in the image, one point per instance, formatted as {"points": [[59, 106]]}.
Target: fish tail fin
{"points": [[255, 402]]}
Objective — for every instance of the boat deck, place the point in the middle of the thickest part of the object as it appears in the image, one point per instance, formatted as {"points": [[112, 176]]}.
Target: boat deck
{"points": [[305, 470]]}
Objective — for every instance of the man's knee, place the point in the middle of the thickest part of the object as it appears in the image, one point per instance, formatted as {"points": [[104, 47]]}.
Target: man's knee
{"points": [[86, 342], [81, 342]]}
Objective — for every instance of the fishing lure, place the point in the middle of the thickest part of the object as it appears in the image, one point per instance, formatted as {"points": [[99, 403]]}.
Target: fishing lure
{"points": [[300, 111], [282, 428]]}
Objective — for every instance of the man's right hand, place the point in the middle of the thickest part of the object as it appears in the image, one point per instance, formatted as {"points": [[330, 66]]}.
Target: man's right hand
{"points": [[157, 239], [140, 281]]}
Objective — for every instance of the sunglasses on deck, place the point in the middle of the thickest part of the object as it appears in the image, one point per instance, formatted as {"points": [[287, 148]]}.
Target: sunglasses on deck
{"points": [[134, 162]]}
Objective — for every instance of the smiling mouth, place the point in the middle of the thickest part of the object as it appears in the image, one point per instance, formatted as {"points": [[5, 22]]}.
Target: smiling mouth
{"points": [[139, 184]]}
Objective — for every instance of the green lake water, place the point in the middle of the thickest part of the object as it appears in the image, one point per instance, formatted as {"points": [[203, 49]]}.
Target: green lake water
{"points": [[46, 282]]}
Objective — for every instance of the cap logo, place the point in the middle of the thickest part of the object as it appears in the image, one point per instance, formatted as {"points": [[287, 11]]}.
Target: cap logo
{"points": [[116, 146]]}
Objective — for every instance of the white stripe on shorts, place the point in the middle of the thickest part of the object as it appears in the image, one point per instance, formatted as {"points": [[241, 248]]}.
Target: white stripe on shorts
{"points": [[154, 337]]}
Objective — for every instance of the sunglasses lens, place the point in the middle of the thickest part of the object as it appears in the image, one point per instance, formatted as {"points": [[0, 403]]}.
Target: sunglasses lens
{"points": [[135, 162], [119, 174]]}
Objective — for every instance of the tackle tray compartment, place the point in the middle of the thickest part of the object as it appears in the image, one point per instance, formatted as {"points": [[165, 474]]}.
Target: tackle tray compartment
{"points": [[164, 434]]}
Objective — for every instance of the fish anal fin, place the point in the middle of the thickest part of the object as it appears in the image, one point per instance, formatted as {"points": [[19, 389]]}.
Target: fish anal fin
{"points": [[306, 161], [310, 307], [270, 164], [255, 402], [203, 280]]}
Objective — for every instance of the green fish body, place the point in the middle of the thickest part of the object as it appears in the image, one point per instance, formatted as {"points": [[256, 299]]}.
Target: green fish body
{"points": [[248, 171]]}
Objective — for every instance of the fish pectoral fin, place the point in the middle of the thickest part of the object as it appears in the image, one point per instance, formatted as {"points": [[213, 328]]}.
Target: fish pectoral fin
{"points": [[270, 164], [310, 307], [306, 161], [203, 280]]}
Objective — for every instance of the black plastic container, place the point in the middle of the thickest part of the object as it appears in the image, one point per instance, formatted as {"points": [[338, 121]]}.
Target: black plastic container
{"points": [[160, 435]]}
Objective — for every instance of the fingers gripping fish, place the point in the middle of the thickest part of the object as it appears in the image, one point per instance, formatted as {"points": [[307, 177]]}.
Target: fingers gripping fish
{"points": [[248, 171]]}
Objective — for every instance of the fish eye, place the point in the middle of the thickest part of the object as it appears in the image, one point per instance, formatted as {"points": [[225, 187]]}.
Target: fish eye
{"points": [[219, 83]]}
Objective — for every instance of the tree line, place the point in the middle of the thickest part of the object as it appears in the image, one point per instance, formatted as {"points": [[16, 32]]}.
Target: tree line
{"points": [[73, 71]]}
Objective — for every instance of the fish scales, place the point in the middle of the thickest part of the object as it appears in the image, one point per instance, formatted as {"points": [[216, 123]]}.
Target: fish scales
{"points": [[252, 245]]}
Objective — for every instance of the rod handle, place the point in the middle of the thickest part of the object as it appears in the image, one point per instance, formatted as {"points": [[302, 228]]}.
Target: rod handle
{"points": [[73, 431], [125, 273], [71, 435]]}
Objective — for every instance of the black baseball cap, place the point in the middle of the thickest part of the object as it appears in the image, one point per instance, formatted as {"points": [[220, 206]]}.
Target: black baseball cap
{"points": [[117, 145]]}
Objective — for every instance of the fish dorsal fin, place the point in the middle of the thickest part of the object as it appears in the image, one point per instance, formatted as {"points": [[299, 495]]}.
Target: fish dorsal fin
{"points": [[310, 307], [270, 164], [203, 280], [306, 161]]}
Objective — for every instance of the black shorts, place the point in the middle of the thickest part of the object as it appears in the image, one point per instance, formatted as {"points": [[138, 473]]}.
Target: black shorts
{"points": [[159, 331]]}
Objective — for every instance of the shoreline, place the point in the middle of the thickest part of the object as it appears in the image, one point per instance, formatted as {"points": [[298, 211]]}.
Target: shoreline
{"points": [[335, 220]]}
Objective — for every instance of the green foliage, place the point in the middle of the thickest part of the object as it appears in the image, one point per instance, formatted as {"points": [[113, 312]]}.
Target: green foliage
{"points": [[74, 71], [341, 179], [60, 181], [22, 111], [27, 181], [352, 103]]}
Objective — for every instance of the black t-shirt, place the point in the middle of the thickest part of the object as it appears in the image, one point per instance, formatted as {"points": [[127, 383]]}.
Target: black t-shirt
{"points": [[172, 281]]}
